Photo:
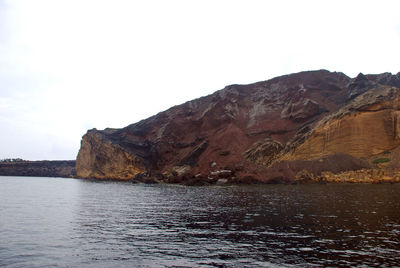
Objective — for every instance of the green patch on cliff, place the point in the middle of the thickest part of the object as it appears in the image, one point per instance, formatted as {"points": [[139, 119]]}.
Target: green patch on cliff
{"points": [[381, 160]]}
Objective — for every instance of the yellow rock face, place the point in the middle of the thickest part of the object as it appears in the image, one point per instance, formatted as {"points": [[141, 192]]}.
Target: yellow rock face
{"points": [[99, 159], [361, 134]]}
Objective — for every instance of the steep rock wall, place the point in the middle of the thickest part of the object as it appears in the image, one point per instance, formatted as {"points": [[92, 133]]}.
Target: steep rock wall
{"points": [[368, 126], [101, 159], [362, 134]]}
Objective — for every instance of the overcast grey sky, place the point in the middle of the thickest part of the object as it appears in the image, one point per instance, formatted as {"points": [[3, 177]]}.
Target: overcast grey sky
{"points": [[68, 66]]}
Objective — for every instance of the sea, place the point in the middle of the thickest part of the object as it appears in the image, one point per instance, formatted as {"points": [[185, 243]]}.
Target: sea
{"points": [[64, 222]]}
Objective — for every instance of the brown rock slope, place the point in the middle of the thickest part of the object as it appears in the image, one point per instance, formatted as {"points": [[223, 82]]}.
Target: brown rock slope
{"points": [[266, 131]]}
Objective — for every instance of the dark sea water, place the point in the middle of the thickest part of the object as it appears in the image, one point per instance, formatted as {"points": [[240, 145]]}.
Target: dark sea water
{"points": [[47, 222]]}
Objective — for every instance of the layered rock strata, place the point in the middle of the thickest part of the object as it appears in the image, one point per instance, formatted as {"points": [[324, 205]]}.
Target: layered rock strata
{"points": [[367, 126]]}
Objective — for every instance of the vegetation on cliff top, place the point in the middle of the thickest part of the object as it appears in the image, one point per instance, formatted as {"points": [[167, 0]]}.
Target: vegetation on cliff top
{"points": [[11, 160]]}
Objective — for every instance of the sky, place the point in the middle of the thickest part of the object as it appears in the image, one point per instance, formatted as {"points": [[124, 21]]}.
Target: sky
{"points": [[69, 66]]}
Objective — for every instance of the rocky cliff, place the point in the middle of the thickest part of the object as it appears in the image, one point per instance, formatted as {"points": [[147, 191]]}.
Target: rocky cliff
{"points": [[101, 158], [316, 121]]}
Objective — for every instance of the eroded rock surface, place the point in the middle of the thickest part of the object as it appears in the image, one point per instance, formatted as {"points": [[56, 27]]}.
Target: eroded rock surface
{"points": [[367, 126], [266, 131], [101, 159]]}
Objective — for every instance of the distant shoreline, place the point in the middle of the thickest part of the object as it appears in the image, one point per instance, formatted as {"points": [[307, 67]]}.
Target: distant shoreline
{"points": [[43, 168], [66, 168]]}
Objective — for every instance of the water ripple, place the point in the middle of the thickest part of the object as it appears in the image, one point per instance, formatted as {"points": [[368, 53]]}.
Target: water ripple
{"points": [[105, 224]]}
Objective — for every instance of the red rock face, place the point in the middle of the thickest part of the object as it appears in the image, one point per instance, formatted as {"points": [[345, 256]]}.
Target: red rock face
{"points": [[213, 133]]}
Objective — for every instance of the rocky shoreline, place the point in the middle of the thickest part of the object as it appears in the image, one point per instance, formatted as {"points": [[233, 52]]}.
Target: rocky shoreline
{"points": [[356, 176], [218, 177], [227, 177]]}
